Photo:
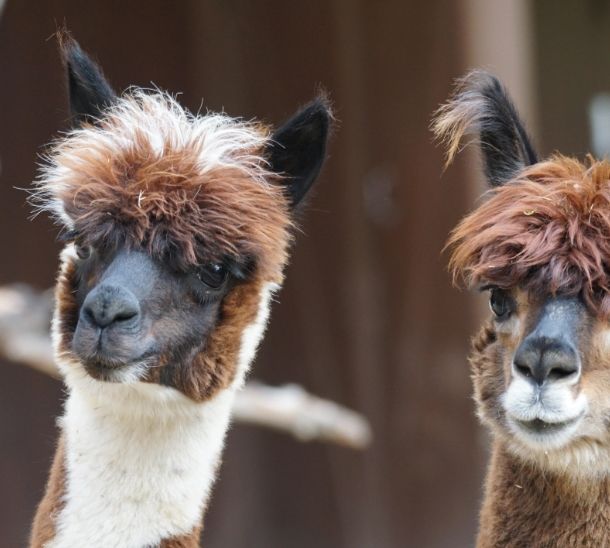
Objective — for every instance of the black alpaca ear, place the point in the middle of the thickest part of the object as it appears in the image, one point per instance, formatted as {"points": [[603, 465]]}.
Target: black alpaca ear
{"points": [[88, 90], [298, 148], [481, 106]]}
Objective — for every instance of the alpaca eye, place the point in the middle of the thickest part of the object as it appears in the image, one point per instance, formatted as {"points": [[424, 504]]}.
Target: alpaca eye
{"points": [[213, 275], [82, 251], [500, 303]]}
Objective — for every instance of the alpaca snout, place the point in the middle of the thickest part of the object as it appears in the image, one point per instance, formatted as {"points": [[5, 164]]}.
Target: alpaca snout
{"points": [[109, 335], [546, 359], [550, 352], [109, 306]]}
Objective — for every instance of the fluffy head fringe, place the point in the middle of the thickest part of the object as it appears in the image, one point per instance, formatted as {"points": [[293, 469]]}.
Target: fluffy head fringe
{"points": [[546, 231], [186, 188], [481, 106]]}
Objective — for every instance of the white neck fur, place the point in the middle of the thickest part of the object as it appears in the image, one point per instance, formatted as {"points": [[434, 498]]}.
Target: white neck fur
{"points": [[141, 459]]}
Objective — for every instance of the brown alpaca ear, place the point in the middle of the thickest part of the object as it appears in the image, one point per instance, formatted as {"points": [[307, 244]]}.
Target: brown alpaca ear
{"points": [[298, 148], [88, 90], [481, 106]]}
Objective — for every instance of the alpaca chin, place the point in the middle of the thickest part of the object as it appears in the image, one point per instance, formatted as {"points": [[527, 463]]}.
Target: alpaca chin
{"points": [[129, 373]]}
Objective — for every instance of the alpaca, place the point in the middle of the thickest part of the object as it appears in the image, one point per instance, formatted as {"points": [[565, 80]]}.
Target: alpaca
{"points": [[177, 229], [539, 243]]}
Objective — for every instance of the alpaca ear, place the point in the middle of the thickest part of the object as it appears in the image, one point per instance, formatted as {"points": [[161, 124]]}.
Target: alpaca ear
{"points": [[88, 90], [481, 106], [298, 148]]}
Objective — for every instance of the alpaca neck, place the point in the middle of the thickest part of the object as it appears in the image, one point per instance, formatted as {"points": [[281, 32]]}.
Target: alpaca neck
{"points": [[136, 462], [138, 479], [525, 505]]}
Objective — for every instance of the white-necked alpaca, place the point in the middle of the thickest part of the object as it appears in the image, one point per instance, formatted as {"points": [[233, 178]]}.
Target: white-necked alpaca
{"points": [[540, 243], [177, 229]]}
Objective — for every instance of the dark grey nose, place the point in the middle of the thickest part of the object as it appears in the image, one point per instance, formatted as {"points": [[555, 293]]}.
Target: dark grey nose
{"points": [[107, 305], [544, 358], [549, 352]]}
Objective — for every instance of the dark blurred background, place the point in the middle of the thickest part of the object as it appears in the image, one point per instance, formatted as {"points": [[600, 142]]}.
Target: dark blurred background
{"points": [[367, 316]]}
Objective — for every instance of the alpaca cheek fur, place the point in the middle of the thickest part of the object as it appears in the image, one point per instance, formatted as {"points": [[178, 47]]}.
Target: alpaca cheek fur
{"points": [[492, 368]]}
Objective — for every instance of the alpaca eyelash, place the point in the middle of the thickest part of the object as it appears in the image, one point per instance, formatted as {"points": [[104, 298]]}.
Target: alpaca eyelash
{"points": [[487, 287], [240, 269], [204, 297], [68, 236]]}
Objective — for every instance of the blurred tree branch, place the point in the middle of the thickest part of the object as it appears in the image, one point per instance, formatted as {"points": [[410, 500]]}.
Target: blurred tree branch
{"points": [[25, 316]]}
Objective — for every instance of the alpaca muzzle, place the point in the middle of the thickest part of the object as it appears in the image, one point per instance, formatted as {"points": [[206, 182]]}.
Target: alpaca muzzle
{"points": [[111, 307], [111, 332], [549, 353], [543, 400]]}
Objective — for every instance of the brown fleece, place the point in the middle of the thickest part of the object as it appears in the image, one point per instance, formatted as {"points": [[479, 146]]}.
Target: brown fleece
{"points": [[526, 507], [167, 206], [43, 528], [486, 363], [546, 231], [214, 367], [190, 540], [66, 308]]}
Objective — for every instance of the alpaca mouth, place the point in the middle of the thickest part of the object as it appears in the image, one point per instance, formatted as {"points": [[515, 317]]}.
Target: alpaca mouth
{"points": [[111, 365], [540, 427], [110, 354], [103, 369], [102, 364], [537, 433]]}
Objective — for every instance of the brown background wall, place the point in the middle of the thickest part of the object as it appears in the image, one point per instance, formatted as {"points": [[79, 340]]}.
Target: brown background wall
{"points": [[573, 62], [367, 316]]}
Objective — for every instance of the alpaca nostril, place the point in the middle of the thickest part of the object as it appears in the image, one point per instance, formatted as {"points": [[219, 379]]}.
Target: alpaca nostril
{"points": [[543, 359], [109, 305], [125, 315], [562, 372], [88, 314], [523, 370]]}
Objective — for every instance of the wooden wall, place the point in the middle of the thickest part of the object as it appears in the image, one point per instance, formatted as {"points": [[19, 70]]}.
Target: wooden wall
{"points": [[573, 58]]}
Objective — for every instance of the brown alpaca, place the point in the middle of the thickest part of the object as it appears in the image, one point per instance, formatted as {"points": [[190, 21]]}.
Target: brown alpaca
{"points": [[177, 229], [540, 244]]}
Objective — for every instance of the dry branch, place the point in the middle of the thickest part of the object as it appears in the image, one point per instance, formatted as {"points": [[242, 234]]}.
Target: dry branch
{"points": [[291, 409], [24, 326]]}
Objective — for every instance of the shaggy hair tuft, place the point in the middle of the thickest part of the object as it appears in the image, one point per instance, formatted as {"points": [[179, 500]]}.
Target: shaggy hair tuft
{"points": [[548, 231], [188, 189]]}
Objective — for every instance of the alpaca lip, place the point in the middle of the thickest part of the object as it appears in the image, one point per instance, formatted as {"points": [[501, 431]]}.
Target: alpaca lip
{"points": [[115, 364], [108, 351], [541, 427], [100, 368], [114, 371], [102, 364]]}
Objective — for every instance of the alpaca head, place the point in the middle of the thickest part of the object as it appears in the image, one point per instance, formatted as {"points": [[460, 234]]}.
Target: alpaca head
{"points": [[177, 226], [540, 245]]}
